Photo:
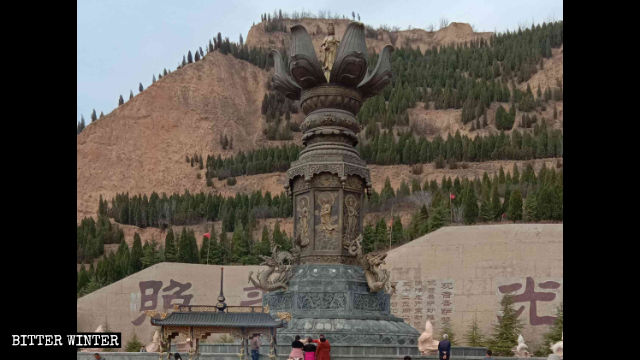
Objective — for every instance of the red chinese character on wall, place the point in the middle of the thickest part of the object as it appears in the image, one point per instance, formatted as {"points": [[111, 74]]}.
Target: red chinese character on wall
{"points": [[149, 301], [532, 297], [254, 296]]}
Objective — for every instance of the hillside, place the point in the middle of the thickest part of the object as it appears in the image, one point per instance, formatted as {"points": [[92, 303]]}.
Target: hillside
{"points": [[317, 28], [141, 146]]}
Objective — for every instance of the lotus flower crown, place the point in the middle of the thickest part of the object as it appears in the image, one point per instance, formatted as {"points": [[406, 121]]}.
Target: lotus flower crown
{"points": [[349, 69]]}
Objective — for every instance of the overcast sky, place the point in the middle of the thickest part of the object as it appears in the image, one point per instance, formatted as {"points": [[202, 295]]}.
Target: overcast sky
{"points": [[124, 42]]}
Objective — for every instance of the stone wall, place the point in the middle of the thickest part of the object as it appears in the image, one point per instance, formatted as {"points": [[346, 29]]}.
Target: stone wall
{"points": [[461, 273], [120, 305]]}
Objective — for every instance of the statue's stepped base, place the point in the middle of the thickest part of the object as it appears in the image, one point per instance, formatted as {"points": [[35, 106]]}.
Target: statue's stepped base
{"points": [[334, 300]]}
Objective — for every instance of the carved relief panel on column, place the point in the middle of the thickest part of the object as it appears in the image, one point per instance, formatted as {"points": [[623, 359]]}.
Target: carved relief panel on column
{"points": [[351, 215], [303, 212], [326, 228]]}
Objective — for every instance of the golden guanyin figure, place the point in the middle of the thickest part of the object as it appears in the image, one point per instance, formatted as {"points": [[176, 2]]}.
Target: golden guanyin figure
{"points": [[329, 47]]}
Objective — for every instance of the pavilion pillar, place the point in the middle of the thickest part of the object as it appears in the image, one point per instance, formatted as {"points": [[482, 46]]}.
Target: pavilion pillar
{"points": [[272, 344]]}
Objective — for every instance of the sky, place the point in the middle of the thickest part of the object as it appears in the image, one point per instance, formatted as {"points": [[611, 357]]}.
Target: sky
{"points": [[122, 43]]}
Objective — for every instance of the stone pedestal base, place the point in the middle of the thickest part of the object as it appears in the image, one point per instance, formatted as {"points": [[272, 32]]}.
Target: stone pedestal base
{"points": [[334, 300]]}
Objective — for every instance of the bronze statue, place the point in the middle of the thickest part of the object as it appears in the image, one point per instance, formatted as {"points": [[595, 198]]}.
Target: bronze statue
{"points": [[329, 47], [279, 272]]}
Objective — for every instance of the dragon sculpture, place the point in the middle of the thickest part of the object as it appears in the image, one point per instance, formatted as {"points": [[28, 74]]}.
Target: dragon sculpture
{"points": [[279, 272], [377, 278]]}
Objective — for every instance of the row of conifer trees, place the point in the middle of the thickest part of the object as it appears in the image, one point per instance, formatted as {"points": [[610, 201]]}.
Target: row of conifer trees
{"points": [[511, 196], [181, 247], [385, 149]]}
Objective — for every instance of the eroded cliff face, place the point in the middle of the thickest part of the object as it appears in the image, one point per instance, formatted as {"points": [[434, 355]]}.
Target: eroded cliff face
{"points": [[317, 28]]}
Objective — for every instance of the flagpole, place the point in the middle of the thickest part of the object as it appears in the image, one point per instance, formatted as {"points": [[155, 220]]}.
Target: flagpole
{"points": [[450, 207], [391, 230], [208, 248]]}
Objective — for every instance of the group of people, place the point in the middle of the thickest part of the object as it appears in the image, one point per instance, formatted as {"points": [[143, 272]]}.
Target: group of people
{"points": [[306, 349], [310, 349]]}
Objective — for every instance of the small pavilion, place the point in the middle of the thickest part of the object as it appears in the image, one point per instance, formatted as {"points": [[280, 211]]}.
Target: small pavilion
{"points": [[197, 322]]}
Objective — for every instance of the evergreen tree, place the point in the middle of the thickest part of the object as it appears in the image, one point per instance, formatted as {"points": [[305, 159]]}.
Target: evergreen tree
{"points": [[506, 331], [485, 212], [136, 254], [81, 125], [530, 208], [130, 94], [189, 57], [553, 335], [368, 239], [280, 238], [403, 190], [120, 100], [133, 345], [140, 88], [470, 207], [473, 337], [387, 191], [240, 245], [225, 248], [153, 79], [439, 217], [170, 248], [514, 213], [396, 231], [151, 254], [496, 206], [83, 278], [448, 329], [94, 117], [381, 235], [123, 260], [264, 246]]}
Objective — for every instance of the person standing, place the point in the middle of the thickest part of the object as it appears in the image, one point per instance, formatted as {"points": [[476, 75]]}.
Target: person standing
{"points": [[255, 347], [296, 349], [444, 348], [309, 349], [324, 349]]}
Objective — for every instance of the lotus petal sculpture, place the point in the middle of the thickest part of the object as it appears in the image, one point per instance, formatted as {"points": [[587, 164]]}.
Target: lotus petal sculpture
{"points": [[350, 66], [304, 65], [380, 77], [281, 80], [350, 69]]}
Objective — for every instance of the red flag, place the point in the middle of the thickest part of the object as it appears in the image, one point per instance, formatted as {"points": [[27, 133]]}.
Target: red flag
{"points": [[451, 196], [207, 235]]}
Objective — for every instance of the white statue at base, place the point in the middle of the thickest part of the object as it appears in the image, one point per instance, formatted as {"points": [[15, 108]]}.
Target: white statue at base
{"points": [[522, 350], [426, 344], [557, 350], [155, 344], [100, 329]]}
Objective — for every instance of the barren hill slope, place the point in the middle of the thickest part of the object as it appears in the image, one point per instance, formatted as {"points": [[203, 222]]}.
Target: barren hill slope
{"points": [[317, 28], [141, 146]]}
